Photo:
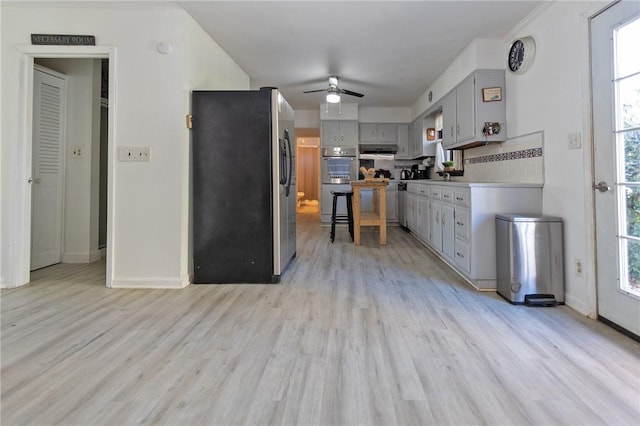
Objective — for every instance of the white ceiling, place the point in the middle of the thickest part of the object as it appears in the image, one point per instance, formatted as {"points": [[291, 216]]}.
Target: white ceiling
{"points": [[391, 51]]}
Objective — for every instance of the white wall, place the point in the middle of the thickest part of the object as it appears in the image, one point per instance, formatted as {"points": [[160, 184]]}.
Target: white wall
{"points": [[479, 54], [307, 118], [149, 201], [554, 96], [384, 115]]}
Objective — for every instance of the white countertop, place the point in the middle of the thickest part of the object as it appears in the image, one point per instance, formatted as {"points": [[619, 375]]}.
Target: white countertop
{"points": [[473, 184]]}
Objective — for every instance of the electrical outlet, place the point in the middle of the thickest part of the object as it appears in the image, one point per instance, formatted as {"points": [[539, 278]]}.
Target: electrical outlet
{"points": [[578, 267], [134, 154], [76, 152], [575, 140]]}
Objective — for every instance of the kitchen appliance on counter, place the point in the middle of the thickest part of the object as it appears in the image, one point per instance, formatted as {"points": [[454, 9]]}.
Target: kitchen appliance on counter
{"points": [[339, 165], [244, 228], [419, 171]]}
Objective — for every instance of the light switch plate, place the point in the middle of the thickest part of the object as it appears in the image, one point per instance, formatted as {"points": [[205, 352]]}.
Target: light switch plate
{"points": [[575, 140], [134, 154], [76, 152]]}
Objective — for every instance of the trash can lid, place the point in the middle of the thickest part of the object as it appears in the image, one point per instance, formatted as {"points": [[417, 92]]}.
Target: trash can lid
{"points": [[523, 217]]}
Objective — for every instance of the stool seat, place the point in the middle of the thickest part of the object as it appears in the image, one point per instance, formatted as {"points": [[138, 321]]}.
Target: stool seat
{"points": [[342, 218]]}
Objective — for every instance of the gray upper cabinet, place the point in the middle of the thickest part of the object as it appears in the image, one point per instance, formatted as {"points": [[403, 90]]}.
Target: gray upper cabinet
{"points": [[418, 146], [378, 133], [339, 133], [465, 112], [403, 142]]}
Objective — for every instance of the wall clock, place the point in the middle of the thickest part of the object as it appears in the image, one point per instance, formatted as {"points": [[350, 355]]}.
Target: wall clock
{"points": [[521, 54]]}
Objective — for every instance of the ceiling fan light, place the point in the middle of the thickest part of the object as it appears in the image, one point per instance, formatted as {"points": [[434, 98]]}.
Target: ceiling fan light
{"points": [[333, 98]]}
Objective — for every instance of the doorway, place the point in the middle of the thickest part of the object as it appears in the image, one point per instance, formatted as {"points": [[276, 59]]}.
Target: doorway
{"points": [[615, 72], [82, 159], [23, 208], [308, 167]]}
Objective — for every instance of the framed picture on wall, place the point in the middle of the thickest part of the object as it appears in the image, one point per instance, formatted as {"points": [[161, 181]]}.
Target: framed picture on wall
{"points": [[492, 94]]}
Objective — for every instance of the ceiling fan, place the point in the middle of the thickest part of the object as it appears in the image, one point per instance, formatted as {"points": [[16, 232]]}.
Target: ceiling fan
{"points": [[333, 91]]}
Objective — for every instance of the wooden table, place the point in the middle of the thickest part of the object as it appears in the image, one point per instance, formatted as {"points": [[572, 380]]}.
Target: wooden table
{"points": [[378, 217]]}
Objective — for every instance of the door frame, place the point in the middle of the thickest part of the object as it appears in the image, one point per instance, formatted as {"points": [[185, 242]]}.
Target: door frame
{"points": [[22, 208]]}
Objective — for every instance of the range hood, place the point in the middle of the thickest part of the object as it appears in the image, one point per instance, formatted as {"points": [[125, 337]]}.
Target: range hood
{"points": [[378, 148]]}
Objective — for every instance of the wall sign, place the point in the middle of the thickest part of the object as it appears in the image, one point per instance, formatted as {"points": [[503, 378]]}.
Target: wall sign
{"points": [[63, 39], [491, 94]]}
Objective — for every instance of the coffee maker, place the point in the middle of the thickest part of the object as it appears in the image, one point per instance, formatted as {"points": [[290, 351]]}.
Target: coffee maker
{"points": [[419, 171]]}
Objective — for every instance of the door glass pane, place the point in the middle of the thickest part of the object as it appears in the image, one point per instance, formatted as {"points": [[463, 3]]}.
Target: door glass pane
{"points": [[627, 43], [632, 156], [629, 102], [633, 211], [631, 257]]}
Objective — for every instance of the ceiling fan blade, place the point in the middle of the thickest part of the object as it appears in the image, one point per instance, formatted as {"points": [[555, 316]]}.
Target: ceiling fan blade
{"points": [[313, 91], [349, 92]]}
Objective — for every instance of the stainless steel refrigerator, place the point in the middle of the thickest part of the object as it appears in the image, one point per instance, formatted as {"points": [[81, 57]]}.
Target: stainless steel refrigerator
{"points": [[244, 186]]}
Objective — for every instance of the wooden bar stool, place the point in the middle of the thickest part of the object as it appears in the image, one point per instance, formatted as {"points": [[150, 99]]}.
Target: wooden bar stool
{"points": [[342, 218]]}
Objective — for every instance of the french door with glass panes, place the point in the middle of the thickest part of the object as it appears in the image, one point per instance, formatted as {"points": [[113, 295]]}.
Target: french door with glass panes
{"points": [[615, 67]]}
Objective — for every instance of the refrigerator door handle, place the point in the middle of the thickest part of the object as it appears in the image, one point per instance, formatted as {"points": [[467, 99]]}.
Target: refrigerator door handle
{"points": [[290, 169], [283, 162]]}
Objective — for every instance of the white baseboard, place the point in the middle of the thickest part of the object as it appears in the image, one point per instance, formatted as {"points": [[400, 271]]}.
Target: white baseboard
{"points": [[576, 304], [80, 257], [150, 282]]}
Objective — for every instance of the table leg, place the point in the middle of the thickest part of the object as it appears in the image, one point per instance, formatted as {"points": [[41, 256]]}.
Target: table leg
{"points": [[356, 216], [383, 216]]}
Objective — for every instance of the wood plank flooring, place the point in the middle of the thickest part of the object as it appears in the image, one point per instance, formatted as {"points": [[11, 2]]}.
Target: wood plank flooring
{"points": [[364, 335]]}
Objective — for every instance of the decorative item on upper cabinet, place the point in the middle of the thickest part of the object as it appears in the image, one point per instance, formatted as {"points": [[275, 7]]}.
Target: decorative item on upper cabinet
{"points": [[521, 54], [431, 134]]}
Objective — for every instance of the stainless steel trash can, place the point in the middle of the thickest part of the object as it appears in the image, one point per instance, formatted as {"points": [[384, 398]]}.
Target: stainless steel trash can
{"points": [[529, 259]]}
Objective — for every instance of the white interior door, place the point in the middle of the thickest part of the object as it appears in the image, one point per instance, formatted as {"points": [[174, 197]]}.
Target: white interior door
{"points": [[48, 165], [615, 35]]}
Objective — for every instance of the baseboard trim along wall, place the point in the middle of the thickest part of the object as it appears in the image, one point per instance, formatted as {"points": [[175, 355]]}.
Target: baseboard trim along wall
{"points": [[149, 283], [80, 257]]}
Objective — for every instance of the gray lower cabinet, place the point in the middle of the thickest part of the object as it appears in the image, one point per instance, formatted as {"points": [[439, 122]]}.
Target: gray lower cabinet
{"points": [[457, 221]]}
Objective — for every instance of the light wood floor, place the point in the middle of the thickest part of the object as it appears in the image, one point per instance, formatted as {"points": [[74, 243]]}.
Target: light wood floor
{"points": [[353, 335]]}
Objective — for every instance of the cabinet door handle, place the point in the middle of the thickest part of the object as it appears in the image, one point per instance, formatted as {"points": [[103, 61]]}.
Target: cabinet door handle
{"points": [[459, 223], [459, 254], [458, 129]]}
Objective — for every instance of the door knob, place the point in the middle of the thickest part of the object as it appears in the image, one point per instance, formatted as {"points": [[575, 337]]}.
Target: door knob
{"points": [[30, 181], [38, 180], [602, 186]]}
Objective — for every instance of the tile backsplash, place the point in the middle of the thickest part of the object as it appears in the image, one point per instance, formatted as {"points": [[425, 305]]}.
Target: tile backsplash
{"points": [[518, 160]]}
